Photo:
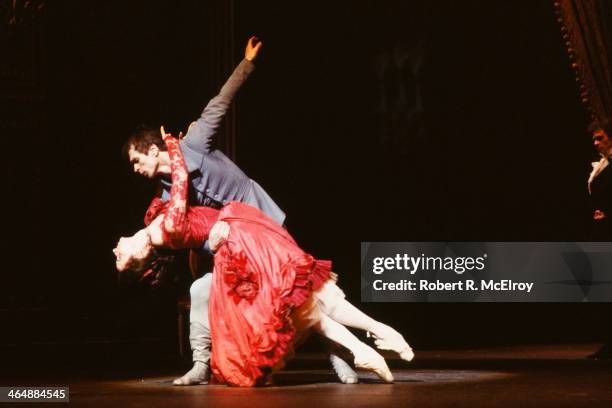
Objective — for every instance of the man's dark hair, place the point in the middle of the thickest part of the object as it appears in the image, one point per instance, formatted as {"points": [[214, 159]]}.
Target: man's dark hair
{"points": [[142, 138], [603, 123]]}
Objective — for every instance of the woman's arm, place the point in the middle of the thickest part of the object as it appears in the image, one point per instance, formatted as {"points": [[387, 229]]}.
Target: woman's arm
{"points": [[180, 226], [174, 222]]}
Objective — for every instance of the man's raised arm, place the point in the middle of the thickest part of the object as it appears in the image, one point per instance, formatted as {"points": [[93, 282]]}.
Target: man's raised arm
{"points": [[200, 133]]}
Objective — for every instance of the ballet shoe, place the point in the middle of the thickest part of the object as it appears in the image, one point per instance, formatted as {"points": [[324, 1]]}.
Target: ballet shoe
{"points": [[386, 338], [197, 375], [344, 371], [370, 360], [407, 354]]}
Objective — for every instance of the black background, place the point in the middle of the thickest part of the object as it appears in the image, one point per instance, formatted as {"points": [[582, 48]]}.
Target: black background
{"points": [[498, 152]]}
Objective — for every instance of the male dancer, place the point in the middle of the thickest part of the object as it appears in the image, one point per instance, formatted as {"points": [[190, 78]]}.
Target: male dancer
{"points": [[215, 180], [600, 194]]}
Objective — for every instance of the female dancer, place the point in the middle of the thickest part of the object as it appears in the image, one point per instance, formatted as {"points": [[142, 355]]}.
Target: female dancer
{"points": [[266, 292]]}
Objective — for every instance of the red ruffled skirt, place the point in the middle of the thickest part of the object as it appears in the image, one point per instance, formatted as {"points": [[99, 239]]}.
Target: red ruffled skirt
{"points": [[261, 277]]}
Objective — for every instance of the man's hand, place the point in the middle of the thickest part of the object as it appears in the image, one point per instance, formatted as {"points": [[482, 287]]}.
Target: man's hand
{"points": [[218, 235], [252, 48], [598, 215]]}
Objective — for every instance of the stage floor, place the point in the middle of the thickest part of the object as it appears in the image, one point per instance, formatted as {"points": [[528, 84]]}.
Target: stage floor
{"points": [[527, 376]]}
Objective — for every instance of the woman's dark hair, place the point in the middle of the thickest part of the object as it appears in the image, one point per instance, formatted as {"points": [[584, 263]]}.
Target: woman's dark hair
{"points": [[154, 270], [142, 138]]}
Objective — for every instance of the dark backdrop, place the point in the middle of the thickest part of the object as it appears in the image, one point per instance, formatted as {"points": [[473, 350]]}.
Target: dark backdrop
{"points": [[393, 120]]}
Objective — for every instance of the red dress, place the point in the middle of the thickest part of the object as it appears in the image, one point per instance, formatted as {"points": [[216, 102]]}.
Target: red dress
{"points": [[260, 277]]}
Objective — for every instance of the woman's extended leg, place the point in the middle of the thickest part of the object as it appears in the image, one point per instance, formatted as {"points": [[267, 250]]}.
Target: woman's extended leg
{"points": [[385, 337], [365, 356]]}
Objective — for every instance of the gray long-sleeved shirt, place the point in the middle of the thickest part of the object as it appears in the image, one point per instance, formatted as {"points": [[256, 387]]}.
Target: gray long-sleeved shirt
{"points": [[215, 179]]}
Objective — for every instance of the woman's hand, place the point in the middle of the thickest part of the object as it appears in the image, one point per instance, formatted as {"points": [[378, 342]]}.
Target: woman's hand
{"points": [[163, 132], [218, 235]]}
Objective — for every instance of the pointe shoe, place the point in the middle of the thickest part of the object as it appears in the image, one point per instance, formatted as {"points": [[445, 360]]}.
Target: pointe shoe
{"points": [[386, 338], [344, 371], [197, 375], [370, 360]]}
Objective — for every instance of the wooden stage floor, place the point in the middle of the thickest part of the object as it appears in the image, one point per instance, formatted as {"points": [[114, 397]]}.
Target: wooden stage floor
{"points": [[527, 376]]}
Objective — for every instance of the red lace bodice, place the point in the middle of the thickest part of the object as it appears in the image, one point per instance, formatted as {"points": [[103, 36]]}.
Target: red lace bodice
{"points": [[182, 226]]}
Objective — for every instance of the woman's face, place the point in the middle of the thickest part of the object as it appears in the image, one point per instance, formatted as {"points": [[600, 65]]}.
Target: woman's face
{"points": [[138, 246]]}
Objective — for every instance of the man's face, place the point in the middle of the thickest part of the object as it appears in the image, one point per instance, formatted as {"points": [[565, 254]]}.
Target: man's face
{"points": [[145, 164], [601, 141]]}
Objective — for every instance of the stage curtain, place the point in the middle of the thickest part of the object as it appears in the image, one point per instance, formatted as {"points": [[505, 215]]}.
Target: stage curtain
{"points": [[585, 29]]}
